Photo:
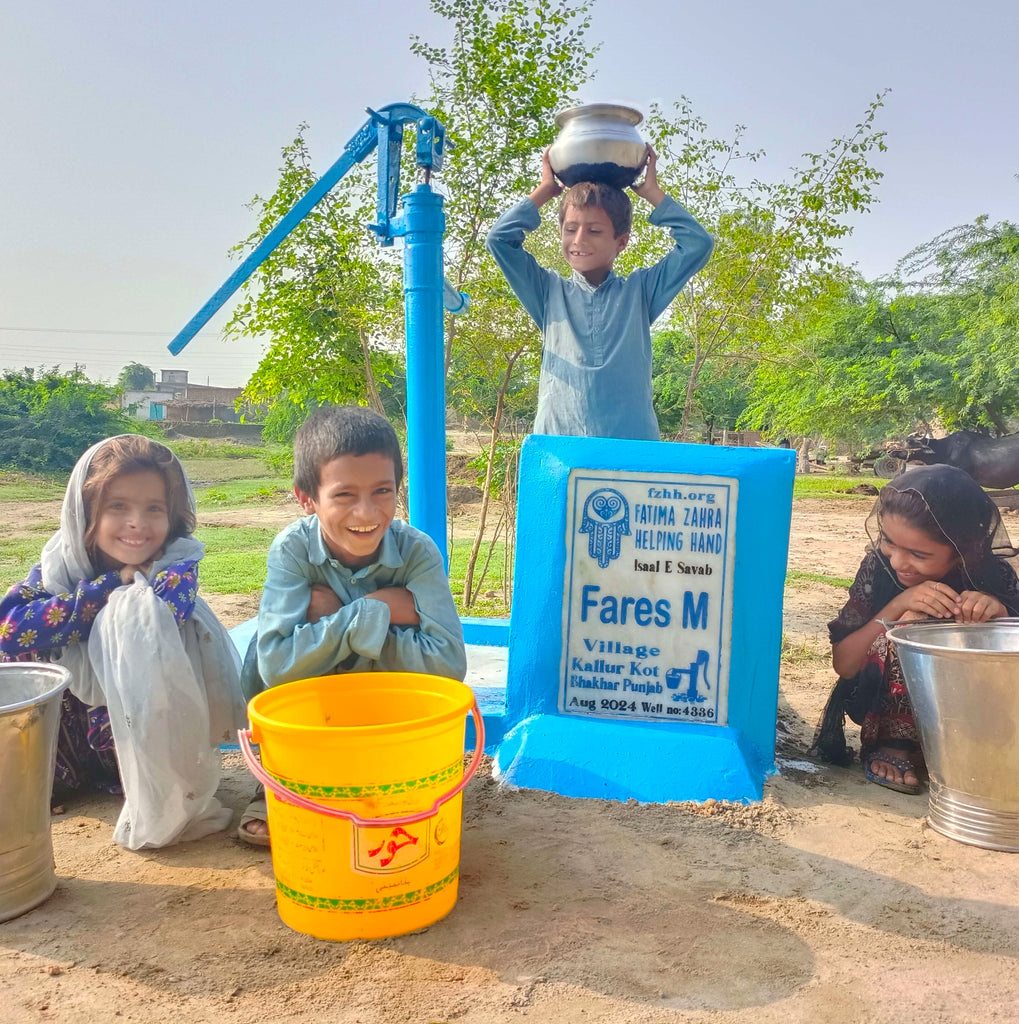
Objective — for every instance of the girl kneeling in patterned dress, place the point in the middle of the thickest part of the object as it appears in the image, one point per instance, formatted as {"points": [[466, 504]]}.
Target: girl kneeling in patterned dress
{"points": [[155, 677], [937, 551]]}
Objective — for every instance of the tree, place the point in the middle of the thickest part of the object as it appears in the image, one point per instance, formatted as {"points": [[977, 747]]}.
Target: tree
{"points": [[136, 377], [776, 244], [719, 398], [934, 344], [48, 418], [971, 272], [328, 296], [511, 66], [856, 367]]}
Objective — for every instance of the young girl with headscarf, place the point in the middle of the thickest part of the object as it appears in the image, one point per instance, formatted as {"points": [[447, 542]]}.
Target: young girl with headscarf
{"points": [[155, 685], [937, 551]]}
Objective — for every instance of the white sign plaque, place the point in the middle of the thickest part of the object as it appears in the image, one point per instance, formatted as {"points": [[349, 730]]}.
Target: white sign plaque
{"points": [[647, 597]]}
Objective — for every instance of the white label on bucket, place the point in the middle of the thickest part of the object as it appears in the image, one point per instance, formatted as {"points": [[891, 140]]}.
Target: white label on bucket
{"points": [[382, 851], [647, 596]]}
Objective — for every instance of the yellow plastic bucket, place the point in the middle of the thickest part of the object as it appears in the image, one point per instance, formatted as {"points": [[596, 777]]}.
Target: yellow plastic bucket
{"points": [[363, 775]]}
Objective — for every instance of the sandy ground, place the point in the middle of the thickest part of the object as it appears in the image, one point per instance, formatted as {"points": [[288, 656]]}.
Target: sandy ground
{"points": [[828, 901]]}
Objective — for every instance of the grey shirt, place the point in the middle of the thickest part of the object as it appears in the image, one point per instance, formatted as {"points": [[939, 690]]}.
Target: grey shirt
{"points": [[596, 342]]}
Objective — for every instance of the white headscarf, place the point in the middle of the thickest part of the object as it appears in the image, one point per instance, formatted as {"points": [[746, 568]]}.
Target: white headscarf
{"points": [[173, 692]]}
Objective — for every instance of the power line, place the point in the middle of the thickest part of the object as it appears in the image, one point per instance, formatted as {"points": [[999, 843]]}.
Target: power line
{"points": [[98, 350], [228, 360], [85, 330]]}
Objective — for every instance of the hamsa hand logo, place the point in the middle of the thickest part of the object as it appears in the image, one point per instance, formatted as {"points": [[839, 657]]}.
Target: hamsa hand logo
{"points": [[606, 520]]}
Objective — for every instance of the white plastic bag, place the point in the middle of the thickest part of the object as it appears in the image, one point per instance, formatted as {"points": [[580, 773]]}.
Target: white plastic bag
{"points": [[160, 719]]}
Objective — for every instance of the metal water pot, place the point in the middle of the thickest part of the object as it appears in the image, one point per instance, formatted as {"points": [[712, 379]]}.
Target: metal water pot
{"points": [[598, 142], [29, 720], [963, 683]]}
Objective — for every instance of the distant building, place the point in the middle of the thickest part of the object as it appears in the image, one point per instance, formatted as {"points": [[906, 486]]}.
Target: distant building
{"points": [[169, 379], [174, 400], [142, 405]]}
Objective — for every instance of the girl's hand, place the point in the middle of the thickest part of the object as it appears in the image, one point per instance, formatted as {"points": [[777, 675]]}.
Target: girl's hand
{"points": [[911, 617], [127, 571], [931, 599], [977, 607]]}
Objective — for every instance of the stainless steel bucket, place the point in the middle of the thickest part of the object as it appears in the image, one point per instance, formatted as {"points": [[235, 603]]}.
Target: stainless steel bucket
{"points": [[29, 722], [963, 683]]}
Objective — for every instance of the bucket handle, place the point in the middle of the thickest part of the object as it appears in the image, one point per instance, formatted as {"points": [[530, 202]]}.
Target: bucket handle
{"points": [[289, 797]]}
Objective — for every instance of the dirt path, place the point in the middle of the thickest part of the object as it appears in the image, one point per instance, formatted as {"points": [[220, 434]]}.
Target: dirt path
{"points": [[829, 901]]}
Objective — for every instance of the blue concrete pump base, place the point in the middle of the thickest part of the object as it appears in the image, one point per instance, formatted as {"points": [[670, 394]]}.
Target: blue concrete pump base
{"points": [[589, 758]]}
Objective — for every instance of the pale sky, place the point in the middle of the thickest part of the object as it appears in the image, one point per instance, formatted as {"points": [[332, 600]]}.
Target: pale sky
{"points": [[133, 134]]}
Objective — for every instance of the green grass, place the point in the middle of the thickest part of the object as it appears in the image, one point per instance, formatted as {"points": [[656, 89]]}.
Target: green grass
{"points": [[220, 540], [23, 487], [794, 576], [197, 449], [43, 526], [483, 606], [233, 572], [234, 560], [202, 471], [803, 652], [227, 494], [17, 556], [825, 485]]}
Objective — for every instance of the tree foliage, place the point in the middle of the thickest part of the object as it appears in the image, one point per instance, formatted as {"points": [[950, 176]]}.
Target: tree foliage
{"points": [[136, 377], [327, 297], [935, 345], [511, 66], [971, 274], [841, 369], [776, 243], [48, 418], [718, 400]]}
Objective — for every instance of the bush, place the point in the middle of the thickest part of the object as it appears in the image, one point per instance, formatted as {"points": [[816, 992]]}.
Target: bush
{"points": [[189, 448], [507, 456], [279, 461], [48, 419]]}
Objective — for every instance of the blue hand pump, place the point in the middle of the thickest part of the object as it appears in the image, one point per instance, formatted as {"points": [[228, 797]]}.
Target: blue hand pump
{"points": [[421, 225]]}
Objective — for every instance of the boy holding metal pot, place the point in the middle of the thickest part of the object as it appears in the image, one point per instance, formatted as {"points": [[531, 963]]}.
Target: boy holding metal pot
{"points": [[596, 327]]}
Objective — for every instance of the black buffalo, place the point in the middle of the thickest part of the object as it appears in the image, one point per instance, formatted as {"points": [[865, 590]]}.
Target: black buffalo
{"points": [[991, 461]]}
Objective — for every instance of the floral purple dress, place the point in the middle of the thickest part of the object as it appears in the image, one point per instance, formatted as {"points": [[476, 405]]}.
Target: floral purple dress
{"points": [[36, 625]]}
